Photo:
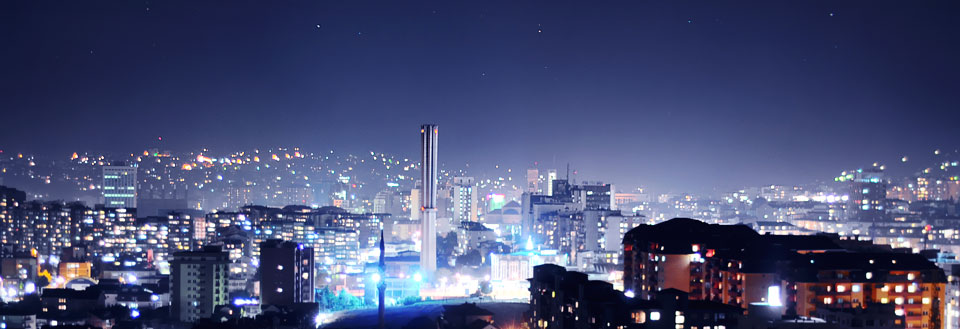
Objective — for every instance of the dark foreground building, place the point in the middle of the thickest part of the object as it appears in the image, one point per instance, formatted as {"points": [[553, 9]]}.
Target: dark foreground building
{"points": [[561, 299], [732, 264]]}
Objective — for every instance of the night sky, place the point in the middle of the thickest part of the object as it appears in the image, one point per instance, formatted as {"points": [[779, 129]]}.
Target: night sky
{"points": [[674, 95]]}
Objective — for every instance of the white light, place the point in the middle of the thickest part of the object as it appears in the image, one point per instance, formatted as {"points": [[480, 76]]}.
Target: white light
{"points": [[773, 296], [417, 277], [375, 277], [30, 288], [654, 316], [629, 294]]}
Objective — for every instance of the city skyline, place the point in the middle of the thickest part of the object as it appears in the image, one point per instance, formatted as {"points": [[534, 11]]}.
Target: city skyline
{"points": [[625, 164], [687, 97]]}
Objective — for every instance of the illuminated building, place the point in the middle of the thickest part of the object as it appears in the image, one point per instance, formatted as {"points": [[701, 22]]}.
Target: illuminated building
{"points": [[463, 195], [735, 265], [19, 273], [120, 232], [181, 234], [611, 231], [45, 228], [367, 226], [238, 245], [287, 273], [507, 218], [868, 194], [11, 216], [152, 237], [73, 270], [119, 186], [388, 202], [471, 234], [198, 283], [428, 200], [224, 219], [566, 299], [548, 182], [336, 247], [915, 286]]}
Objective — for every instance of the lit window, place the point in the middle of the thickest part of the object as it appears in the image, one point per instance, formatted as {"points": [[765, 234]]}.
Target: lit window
{"points": [[855, 288], [911, 288], [869, 275], [841, 288], [926, 300], [910, 276], [828, 300], [898, 288], [898, 301], [654, 316]]}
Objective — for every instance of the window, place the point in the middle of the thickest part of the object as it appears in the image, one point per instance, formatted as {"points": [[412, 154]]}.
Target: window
{"points": [[654, 316]]}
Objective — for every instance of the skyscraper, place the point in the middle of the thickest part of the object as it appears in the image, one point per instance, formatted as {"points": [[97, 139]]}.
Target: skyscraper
{"points": [[464, 201], [120, 186], [428, 199]]}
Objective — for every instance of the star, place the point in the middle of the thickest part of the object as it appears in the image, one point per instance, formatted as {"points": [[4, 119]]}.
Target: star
{"points": [[831, 14]]}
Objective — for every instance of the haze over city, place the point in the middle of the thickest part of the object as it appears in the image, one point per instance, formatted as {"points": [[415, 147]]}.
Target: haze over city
{"points": [[686, 96]]}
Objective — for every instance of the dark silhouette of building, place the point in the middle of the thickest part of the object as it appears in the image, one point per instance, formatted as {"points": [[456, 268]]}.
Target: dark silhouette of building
{"points": [[287, 273]]}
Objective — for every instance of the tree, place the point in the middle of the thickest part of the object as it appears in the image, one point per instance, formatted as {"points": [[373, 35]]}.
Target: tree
{"points": [[346, 301], [445, 248], [327, 299], [470, 259]]}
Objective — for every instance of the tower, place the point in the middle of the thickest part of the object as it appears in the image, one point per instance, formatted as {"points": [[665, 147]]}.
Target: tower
{"points": [[382, 286], [428, 199]]}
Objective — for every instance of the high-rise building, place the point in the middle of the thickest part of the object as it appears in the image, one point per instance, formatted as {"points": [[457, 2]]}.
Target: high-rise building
{"points": [[11, 216], [287, 273], [428, 200], [868, 194], [120, 186], [464, 199], [198, 283]]}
